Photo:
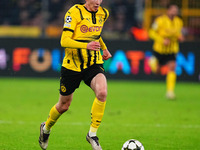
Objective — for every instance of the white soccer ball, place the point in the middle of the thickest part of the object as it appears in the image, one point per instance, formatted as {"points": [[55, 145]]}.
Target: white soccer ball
{"points": [[132, 144], [68, 19]]}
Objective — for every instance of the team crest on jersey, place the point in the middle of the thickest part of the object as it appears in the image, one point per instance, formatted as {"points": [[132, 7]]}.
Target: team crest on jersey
{"points": [[68, 19], [100, 19]]}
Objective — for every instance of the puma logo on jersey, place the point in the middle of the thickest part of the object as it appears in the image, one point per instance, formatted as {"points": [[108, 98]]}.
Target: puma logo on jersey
{"points": [[101, 68], [88, 19]]}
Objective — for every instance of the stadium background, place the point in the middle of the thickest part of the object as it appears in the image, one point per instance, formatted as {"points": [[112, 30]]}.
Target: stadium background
{"points": [[30, 52], [125, 32]]}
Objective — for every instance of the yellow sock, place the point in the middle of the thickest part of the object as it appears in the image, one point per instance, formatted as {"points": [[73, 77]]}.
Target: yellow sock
{"points": [[171, 81], [97, 113], [53, 117]]}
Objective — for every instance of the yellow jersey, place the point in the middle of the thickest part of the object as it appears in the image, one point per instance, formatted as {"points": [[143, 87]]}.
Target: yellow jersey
{"points": [[82, 26], [163, 27]]}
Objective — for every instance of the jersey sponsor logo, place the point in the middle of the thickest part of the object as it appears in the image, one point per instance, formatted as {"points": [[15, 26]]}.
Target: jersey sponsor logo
{"points": [[68, 19], [85, 29]]}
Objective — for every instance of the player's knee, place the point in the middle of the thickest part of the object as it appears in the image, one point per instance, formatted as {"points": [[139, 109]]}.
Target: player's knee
{"points": [[101, 95], [172, 65], [172, 68]]}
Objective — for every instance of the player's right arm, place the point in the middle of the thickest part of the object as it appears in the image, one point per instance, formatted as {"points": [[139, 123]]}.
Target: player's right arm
{"points": [[93, 46], [71, 20], [159, 35], [153, 32], [68, 42]]}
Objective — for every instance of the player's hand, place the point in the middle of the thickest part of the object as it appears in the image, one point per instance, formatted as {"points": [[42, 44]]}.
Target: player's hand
{"points": [[95, 46], [166, 41], [181, 38], [106, 54]]}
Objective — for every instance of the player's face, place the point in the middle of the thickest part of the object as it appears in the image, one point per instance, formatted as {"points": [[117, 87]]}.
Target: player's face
{"points": [[93, 5], [173, 11]]}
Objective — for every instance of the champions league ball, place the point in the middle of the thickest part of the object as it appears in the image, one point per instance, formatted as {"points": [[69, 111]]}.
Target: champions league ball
{"points": [[132, 145], [68, 19]]}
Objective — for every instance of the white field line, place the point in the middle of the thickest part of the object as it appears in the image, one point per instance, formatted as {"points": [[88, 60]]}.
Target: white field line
{"points": [[195, 126]]}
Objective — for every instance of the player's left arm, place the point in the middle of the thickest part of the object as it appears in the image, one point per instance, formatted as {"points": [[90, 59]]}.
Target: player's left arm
{"points": [[103, 45], [106, 54], [180, 36]]}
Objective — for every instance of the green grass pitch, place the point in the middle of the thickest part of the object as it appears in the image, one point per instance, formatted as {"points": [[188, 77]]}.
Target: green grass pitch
{"points": [[134, 110]]}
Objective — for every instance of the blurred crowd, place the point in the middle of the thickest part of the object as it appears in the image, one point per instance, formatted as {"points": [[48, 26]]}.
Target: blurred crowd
{"points": [[126, 16], [30, 12], [50, 14]]}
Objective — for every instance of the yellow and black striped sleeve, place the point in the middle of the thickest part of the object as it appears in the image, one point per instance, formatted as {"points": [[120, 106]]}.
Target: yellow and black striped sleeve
{"points": [[106, 14], [153, 32], [67, 41], [179, 32], [103, 45], [70, 22]]}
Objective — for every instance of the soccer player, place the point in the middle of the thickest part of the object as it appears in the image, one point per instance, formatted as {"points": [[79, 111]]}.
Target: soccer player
{"points": [[83, 61], [166, 33]]}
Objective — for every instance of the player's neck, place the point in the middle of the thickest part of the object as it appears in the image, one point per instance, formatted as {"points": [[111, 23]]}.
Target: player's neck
{"points": [[171, 17], [89, 8]]}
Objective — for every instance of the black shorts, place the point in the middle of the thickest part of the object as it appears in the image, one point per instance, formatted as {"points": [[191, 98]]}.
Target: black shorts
{"points": [[70, 80], [164, 58]]}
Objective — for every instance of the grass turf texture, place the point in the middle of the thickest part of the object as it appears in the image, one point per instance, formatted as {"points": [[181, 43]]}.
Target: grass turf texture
{"points": [[135, 110]]}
